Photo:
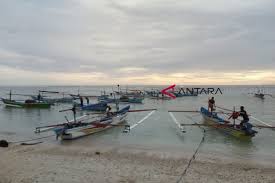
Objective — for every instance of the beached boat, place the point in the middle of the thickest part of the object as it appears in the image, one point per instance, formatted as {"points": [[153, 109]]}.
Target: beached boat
{"points": [[223, 125], [83, 126], [26, 103]]}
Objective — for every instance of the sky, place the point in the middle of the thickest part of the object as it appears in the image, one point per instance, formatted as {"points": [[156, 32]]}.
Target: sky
{"points": [[160, 42]]}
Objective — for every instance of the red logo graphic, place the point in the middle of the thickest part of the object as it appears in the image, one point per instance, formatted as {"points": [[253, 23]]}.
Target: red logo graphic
{"points": [[165, 91]]}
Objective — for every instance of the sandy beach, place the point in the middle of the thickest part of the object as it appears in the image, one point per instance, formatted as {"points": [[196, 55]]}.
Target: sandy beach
{"points": [[57, 163]]}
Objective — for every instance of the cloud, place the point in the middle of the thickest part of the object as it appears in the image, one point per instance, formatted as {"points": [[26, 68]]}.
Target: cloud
{"points": [[138, 39]]}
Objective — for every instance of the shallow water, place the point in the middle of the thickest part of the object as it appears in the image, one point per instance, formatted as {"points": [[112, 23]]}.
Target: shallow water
{"points": [[159, 129]]}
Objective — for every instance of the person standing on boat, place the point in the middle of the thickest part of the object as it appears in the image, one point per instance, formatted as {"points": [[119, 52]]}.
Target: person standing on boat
{"points": [[244, 115], [39, 97], [81, 101], [88, 101], [108, 110], [211, 104], [74, 112]]}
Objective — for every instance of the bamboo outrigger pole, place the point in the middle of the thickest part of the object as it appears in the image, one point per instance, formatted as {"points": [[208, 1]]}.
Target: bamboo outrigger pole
{"points": [[196, 124]]}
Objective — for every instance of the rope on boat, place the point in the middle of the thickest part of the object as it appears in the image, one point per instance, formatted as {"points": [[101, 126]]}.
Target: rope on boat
{"points": [[195, 153]]}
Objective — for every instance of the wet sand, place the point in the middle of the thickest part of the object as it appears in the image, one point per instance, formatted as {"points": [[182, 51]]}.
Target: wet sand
{"points": [[105, 163]]}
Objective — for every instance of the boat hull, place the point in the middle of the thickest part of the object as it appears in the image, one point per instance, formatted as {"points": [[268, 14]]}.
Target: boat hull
{"points": [[102, 106], [72, 134], [12, 103]]}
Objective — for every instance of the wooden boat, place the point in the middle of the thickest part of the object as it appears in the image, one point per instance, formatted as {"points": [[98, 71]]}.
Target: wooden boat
{"points": [[26, 103], [101, 106], [107, 99], [83, 126], [54, 100], [157, 95], [122, 99], [103, 97], [259, 95], [130, 99], [135, 100], [223, 125], [65, 97]]}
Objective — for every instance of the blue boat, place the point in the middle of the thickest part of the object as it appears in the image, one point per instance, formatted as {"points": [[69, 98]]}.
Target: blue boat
{"points": [[213, 120], [127, 99], [102, 106], [106, 99]]}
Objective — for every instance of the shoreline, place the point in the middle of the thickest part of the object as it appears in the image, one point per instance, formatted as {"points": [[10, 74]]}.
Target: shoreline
{"points": [[105, 163]]}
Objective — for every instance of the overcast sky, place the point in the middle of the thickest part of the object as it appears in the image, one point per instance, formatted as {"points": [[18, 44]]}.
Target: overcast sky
{"points": [[137, 42]]}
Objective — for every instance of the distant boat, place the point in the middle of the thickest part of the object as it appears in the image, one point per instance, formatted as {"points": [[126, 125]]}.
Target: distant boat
{"points": [[177, 94], [131, 99], [26, 104], [101, 106], [106, 99], [155, 94], [54, 100], [259, 95]]}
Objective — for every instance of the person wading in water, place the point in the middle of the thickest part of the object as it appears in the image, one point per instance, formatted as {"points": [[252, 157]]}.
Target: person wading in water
{"points": [[211, 105]]}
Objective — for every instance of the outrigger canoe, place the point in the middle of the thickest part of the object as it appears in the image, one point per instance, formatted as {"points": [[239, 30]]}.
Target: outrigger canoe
{"points": [[83, 126], [213, 120], [26, 103]]}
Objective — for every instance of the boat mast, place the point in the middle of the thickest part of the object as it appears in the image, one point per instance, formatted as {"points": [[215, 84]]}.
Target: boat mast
{"points": [[10, 94], [234, 120], [118, 89]]}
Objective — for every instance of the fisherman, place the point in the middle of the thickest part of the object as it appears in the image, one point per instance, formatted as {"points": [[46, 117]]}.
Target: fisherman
{"points": [[117, 105], [88, 101], [244, 115], [81, 101], [39, 97], [211, 104], [108, 110], [74, 112]]}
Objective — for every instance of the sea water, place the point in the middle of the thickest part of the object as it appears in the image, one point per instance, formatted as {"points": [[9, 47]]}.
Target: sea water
{"points": [[159, 129]]}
